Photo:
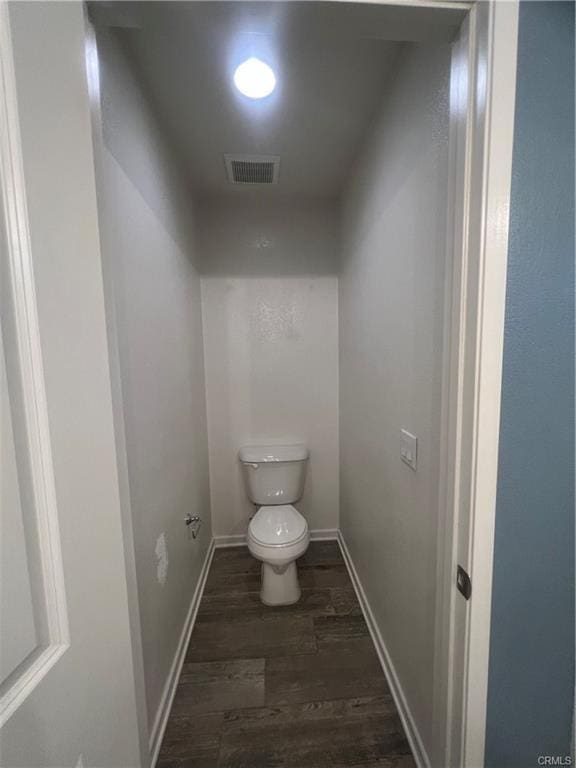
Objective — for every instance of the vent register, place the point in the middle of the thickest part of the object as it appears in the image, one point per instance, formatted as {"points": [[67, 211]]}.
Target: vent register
{"points": [[252, 169]]}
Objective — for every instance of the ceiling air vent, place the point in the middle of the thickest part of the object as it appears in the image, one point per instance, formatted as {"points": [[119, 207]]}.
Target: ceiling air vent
{"points": [[252, 169]]}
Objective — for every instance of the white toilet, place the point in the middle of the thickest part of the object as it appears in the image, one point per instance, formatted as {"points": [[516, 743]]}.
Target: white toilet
{"points": [[277, 534]]}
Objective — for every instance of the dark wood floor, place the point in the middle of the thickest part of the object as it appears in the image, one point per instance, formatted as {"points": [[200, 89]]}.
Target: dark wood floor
{"points": [[293, 686]]}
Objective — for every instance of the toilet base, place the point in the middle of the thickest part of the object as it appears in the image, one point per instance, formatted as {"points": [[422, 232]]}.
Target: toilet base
{"points": [[279, 588]]}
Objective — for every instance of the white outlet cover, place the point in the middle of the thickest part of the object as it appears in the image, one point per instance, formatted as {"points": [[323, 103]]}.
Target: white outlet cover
{"points": [[409, 449]]}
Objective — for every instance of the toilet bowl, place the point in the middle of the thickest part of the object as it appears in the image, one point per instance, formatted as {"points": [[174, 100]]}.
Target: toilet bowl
{"points": [[278, 536], [278, 533]]}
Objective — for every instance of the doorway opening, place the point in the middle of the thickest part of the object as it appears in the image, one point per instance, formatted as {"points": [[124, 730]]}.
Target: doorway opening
{"points": [[283, 235], [243, 315]]}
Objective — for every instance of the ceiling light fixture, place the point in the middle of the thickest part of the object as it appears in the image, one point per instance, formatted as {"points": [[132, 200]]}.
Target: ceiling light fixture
{"points": [[254, 79]]}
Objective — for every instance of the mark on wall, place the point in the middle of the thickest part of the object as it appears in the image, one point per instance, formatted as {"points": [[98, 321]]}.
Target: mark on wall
{"points": [[262, 241], [161, 551], [274, 321]]}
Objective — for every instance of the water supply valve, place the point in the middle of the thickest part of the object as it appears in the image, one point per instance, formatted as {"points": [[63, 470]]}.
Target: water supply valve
{"points": [[193, 523]]}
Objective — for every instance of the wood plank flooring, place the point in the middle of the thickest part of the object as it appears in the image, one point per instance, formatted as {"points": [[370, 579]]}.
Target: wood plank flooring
{"points": [[292, 687]]}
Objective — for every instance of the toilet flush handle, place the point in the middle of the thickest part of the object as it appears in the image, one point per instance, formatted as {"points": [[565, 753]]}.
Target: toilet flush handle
{"points": [[253, 466]]}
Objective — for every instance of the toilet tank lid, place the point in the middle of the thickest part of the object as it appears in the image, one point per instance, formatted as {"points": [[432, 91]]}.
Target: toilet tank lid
{"points": [[258, 454]]}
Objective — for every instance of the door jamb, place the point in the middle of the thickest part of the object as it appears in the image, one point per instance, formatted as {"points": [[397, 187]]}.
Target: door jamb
{"points": [[481, 133]]}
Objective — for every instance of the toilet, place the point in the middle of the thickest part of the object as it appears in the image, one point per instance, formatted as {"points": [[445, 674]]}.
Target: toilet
{"points": [[278, 534]]}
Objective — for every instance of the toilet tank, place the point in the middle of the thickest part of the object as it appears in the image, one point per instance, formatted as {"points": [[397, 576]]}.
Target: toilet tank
{"points": [[274, 474]]}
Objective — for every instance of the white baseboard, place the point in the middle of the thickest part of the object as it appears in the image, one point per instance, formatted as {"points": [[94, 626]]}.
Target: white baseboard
{"points": [[159, 726], [412, 734], [324, 534], [239, 540]]}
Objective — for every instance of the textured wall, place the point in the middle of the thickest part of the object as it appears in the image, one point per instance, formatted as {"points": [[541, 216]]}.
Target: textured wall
{"points": [[390, 305], [155, 317], [270, 303], [531, 684]]}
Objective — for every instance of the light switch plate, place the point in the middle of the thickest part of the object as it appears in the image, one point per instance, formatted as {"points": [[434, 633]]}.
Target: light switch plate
{"points": [[409, 449]]}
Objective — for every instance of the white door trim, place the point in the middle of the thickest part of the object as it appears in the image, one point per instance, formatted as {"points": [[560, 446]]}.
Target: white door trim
{"points": [[20, 324], [496, 55], [482, 127]]}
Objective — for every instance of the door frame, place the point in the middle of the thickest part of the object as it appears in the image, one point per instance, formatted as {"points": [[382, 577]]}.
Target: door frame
{"points": [[481, 139], [482, 105]]}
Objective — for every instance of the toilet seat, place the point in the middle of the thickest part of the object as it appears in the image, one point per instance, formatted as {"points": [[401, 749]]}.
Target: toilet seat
{"points": [[278, 536], [278, 526]]}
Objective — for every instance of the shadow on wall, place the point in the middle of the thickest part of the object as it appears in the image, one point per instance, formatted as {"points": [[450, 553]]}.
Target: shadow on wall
{"points": [[246, 234]]}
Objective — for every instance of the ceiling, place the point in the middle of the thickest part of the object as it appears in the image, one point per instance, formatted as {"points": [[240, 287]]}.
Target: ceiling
{"points": [[331, 64]]}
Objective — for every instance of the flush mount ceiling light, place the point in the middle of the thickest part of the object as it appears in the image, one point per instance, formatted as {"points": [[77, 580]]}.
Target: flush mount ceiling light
{"points": [[254, 79]]}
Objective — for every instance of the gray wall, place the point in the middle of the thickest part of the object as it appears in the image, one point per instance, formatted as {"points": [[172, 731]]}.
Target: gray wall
{"points": [[531, 682], [391, 320], [154, 314]]}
